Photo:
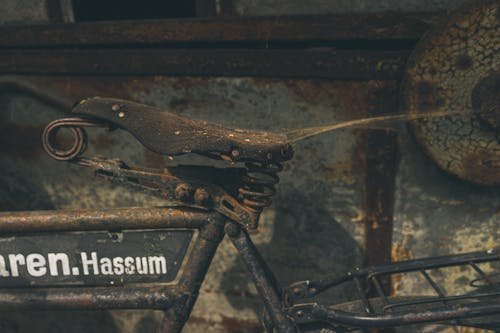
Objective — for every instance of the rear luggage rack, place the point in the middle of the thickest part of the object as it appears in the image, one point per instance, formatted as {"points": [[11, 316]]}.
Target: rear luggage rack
{"points": [[374, 307]]}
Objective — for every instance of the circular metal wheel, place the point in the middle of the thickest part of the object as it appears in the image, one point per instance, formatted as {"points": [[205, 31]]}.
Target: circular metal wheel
{"points": [[456, 66]]}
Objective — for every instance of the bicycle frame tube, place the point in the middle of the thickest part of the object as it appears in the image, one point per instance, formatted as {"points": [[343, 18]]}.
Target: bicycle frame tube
{"points": [[263, 278]]}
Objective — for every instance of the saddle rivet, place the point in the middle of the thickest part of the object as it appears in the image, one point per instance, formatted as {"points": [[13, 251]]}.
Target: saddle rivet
{"points": [[235, 152], [299, 313], [115, 107], [121, 114]]}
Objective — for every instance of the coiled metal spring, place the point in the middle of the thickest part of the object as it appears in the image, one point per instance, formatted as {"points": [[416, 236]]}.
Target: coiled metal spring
{"points": [[76, 125], [259, 184]]}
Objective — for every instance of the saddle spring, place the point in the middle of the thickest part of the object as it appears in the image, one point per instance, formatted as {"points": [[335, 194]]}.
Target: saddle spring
{"points": [[255, 190], [259, 184]]}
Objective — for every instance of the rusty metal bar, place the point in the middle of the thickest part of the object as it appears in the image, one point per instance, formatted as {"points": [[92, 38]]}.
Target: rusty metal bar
{"points": [[263, 278], [485, 276], [324, 314], [194, 273], [433, 284], [362, 295], [381, 169], [424, 300], [379, 289], [128, 297], [108, 219], [294, 28], [328, 64]]}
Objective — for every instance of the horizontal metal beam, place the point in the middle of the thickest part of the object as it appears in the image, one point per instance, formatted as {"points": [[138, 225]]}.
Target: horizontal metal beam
{"points": [[285, 29], [127, 297], [328, 64], [106, 219]]}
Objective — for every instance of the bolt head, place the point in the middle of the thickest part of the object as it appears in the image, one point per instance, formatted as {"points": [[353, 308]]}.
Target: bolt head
{"points": [[232, 230], [183, 192], [201, 196]]}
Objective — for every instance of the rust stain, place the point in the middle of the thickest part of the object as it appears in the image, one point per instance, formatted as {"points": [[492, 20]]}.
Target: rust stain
{"points": [[77, 88], [377, 155], [464, 329], [310, 91], [484, 168], [345, 170], [103, 141], [152, 160], [22, 141], [359, 152], [230, 325], [382, 98], [347, 97], [429, 97], [444, 241], [182, 83], [381, 157], [400, 252]]}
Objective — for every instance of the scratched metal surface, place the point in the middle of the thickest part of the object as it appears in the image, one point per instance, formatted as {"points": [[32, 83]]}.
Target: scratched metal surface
{"points": [[294, 7]]}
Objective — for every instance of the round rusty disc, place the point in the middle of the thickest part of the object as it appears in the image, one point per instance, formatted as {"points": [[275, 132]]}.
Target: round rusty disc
{"points": [[456, 66]]}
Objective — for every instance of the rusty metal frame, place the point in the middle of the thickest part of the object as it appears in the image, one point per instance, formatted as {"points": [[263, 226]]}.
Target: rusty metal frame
{"points": [[264, 280], [393, 26], [276, 63], [283, 47], [178, 296], [376, 308]]}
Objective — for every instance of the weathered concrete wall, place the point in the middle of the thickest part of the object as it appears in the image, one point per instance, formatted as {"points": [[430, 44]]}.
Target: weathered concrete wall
{"points": [[23, 11], [438, 214], [315, 224]]}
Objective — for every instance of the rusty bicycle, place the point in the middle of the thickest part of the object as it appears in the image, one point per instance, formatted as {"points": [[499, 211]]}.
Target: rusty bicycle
{"points": [[216, 202]]}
